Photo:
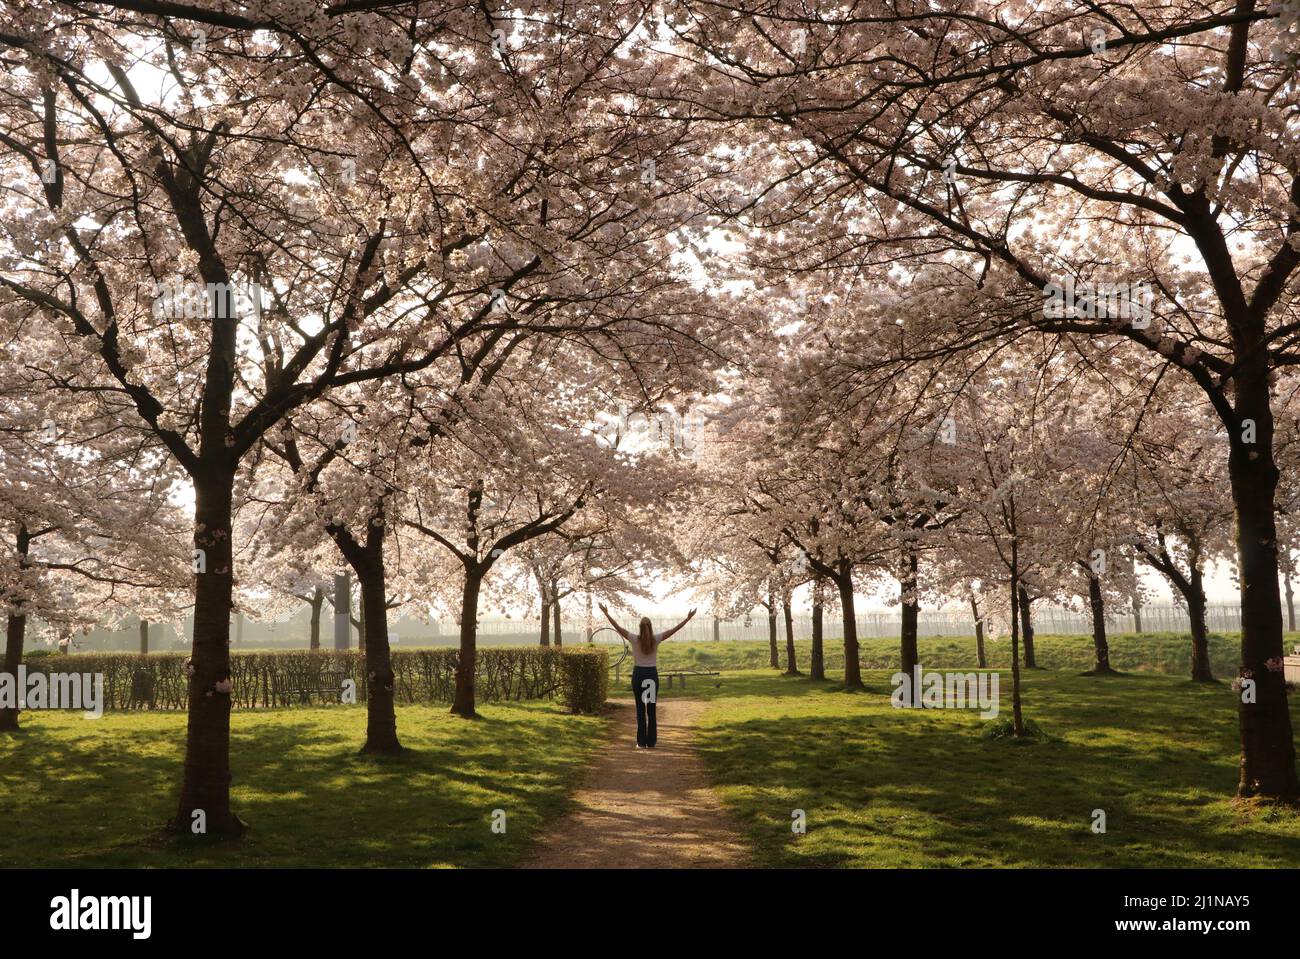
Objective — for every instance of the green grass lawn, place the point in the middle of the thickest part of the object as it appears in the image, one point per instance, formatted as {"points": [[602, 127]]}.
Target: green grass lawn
{"points": [[880, 787], [887, 787], [77, 792]]}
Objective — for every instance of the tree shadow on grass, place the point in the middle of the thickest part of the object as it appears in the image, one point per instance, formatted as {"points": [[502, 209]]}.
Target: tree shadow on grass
{"points": [[298, 780], [884, 787], [770, 685]]}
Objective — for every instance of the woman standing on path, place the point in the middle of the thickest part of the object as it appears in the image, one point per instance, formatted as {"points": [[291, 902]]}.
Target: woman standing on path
{"points": [[645, 672]]}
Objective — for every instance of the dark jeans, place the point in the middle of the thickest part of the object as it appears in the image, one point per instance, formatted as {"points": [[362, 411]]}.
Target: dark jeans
{"points": [[646, 730]]}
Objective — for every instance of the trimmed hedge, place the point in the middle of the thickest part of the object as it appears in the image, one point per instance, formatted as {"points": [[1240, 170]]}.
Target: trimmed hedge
{"points": [[263, 680], [585, 680]]}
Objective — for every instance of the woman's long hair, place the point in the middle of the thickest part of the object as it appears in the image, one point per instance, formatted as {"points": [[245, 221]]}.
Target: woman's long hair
{"points": [[646, 636]]}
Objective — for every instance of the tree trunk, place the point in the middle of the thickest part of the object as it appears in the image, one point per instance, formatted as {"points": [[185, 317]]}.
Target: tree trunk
{"points": [[381, 713], [144, 637], [1287, 570], [343, 611], [1267, 748], [555, 613], [317, 601], [774, 658], [908, 653], [15, 634], [791, 666], [205, 788], [979, 633], [1137, 612], [1017, 718], [1195, 596], [1101, 647], [1027, 629], [817, 663], [852, 668], [546, 620], [463, 703]]}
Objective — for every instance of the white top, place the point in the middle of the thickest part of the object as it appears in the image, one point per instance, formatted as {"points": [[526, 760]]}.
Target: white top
{"points": [[645, 659]]}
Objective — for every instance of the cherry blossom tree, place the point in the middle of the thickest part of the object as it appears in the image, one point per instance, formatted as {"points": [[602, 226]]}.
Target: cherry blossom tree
{"points": [[1140, 158], [232, 215], [491, 492], [1180, 514], [91, 528]]}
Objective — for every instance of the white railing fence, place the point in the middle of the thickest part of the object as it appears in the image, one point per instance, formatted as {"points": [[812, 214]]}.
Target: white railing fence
{"points": [[886, 623], [499, 631]]}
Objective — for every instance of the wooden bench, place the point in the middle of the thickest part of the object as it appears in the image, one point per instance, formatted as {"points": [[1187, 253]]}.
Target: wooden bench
{"points": [[329, 684], [142, 690], [670, 675], [681, 674], [678, 674], [1291, 666]]}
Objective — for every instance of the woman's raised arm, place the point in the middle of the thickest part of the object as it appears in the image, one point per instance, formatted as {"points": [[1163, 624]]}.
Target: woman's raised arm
{"points": [[613, 622], [689, 617]]}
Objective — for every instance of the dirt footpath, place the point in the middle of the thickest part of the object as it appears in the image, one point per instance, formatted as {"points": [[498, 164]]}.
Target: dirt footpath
{"points": [[645, 808]]}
